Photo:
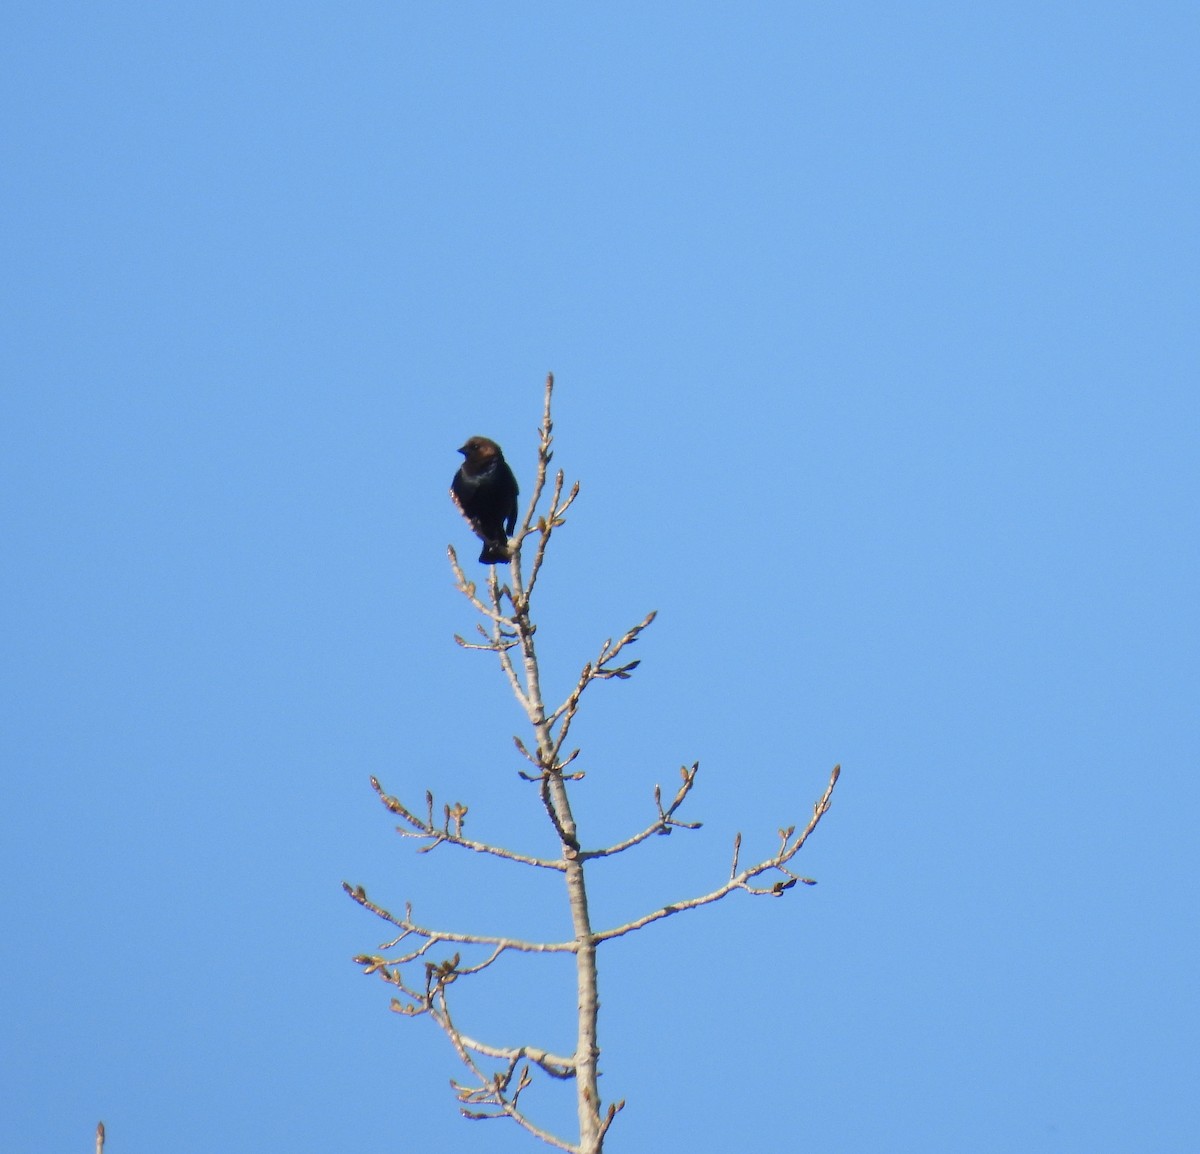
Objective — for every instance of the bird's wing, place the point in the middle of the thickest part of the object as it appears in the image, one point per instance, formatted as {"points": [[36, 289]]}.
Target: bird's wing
{"points": [[510, 522], [476, 528], [457, 499]]}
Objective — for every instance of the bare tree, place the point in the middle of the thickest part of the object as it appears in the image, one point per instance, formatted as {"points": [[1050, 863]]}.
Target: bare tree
{"points": [[418, 962]]}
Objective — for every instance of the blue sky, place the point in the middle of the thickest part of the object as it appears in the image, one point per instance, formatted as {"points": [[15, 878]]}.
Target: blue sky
{"points": [[875, 338]]}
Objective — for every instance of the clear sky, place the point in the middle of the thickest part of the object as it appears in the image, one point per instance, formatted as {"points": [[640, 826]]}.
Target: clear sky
{"points": [[875, 328]]}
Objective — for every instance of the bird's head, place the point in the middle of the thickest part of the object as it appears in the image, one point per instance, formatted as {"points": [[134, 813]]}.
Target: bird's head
{"points": [[480, 450]]}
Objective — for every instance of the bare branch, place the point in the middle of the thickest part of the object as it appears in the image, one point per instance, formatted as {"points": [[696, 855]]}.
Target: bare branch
{"points": [[547, 525], [610, 651], [468, 590], [438, 835], [545, 435], [613, 1110], [598, 670], [666, 820], [543, 526], [490, 646], [739, 881], [492, 1090], [434, 936], [553, 1064]]}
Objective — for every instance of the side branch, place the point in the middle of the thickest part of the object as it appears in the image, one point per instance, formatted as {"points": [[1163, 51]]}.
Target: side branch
{"points": [[496, 1092], [432, 937], [532, 523], [666, 818], [545, 440], [468, 590], [450, 831], [556, 1065], [739, 880], [601, 669]]}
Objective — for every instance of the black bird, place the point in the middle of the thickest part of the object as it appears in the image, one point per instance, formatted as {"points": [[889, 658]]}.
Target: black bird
{"points": [[485, 491]]}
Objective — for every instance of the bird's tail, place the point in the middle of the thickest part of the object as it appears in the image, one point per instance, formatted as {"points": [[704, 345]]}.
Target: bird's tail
{"points": [[495, 553]]}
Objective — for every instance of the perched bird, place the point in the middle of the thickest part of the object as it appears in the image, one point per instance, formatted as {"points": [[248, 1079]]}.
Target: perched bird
{"points": [[485, 491]]}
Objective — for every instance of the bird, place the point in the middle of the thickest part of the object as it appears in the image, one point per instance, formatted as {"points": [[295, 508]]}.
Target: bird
{"points": [[485, 491]]}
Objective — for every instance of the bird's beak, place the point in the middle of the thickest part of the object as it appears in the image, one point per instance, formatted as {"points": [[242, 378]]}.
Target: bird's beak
{"points": [[464, 450]]}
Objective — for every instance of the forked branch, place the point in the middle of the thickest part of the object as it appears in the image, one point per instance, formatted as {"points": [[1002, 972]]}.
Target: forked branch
{"points": [[666, 817], [739, 879], [450, 830]]}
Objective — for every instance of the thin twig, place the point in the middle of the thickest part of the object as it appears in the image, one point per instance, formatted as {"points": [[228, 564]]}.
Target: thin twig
{"points": [[491, 1091], [665, 823], [438, 835], [599, 670], [739, 880], [468, 590], [409, 926]]}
